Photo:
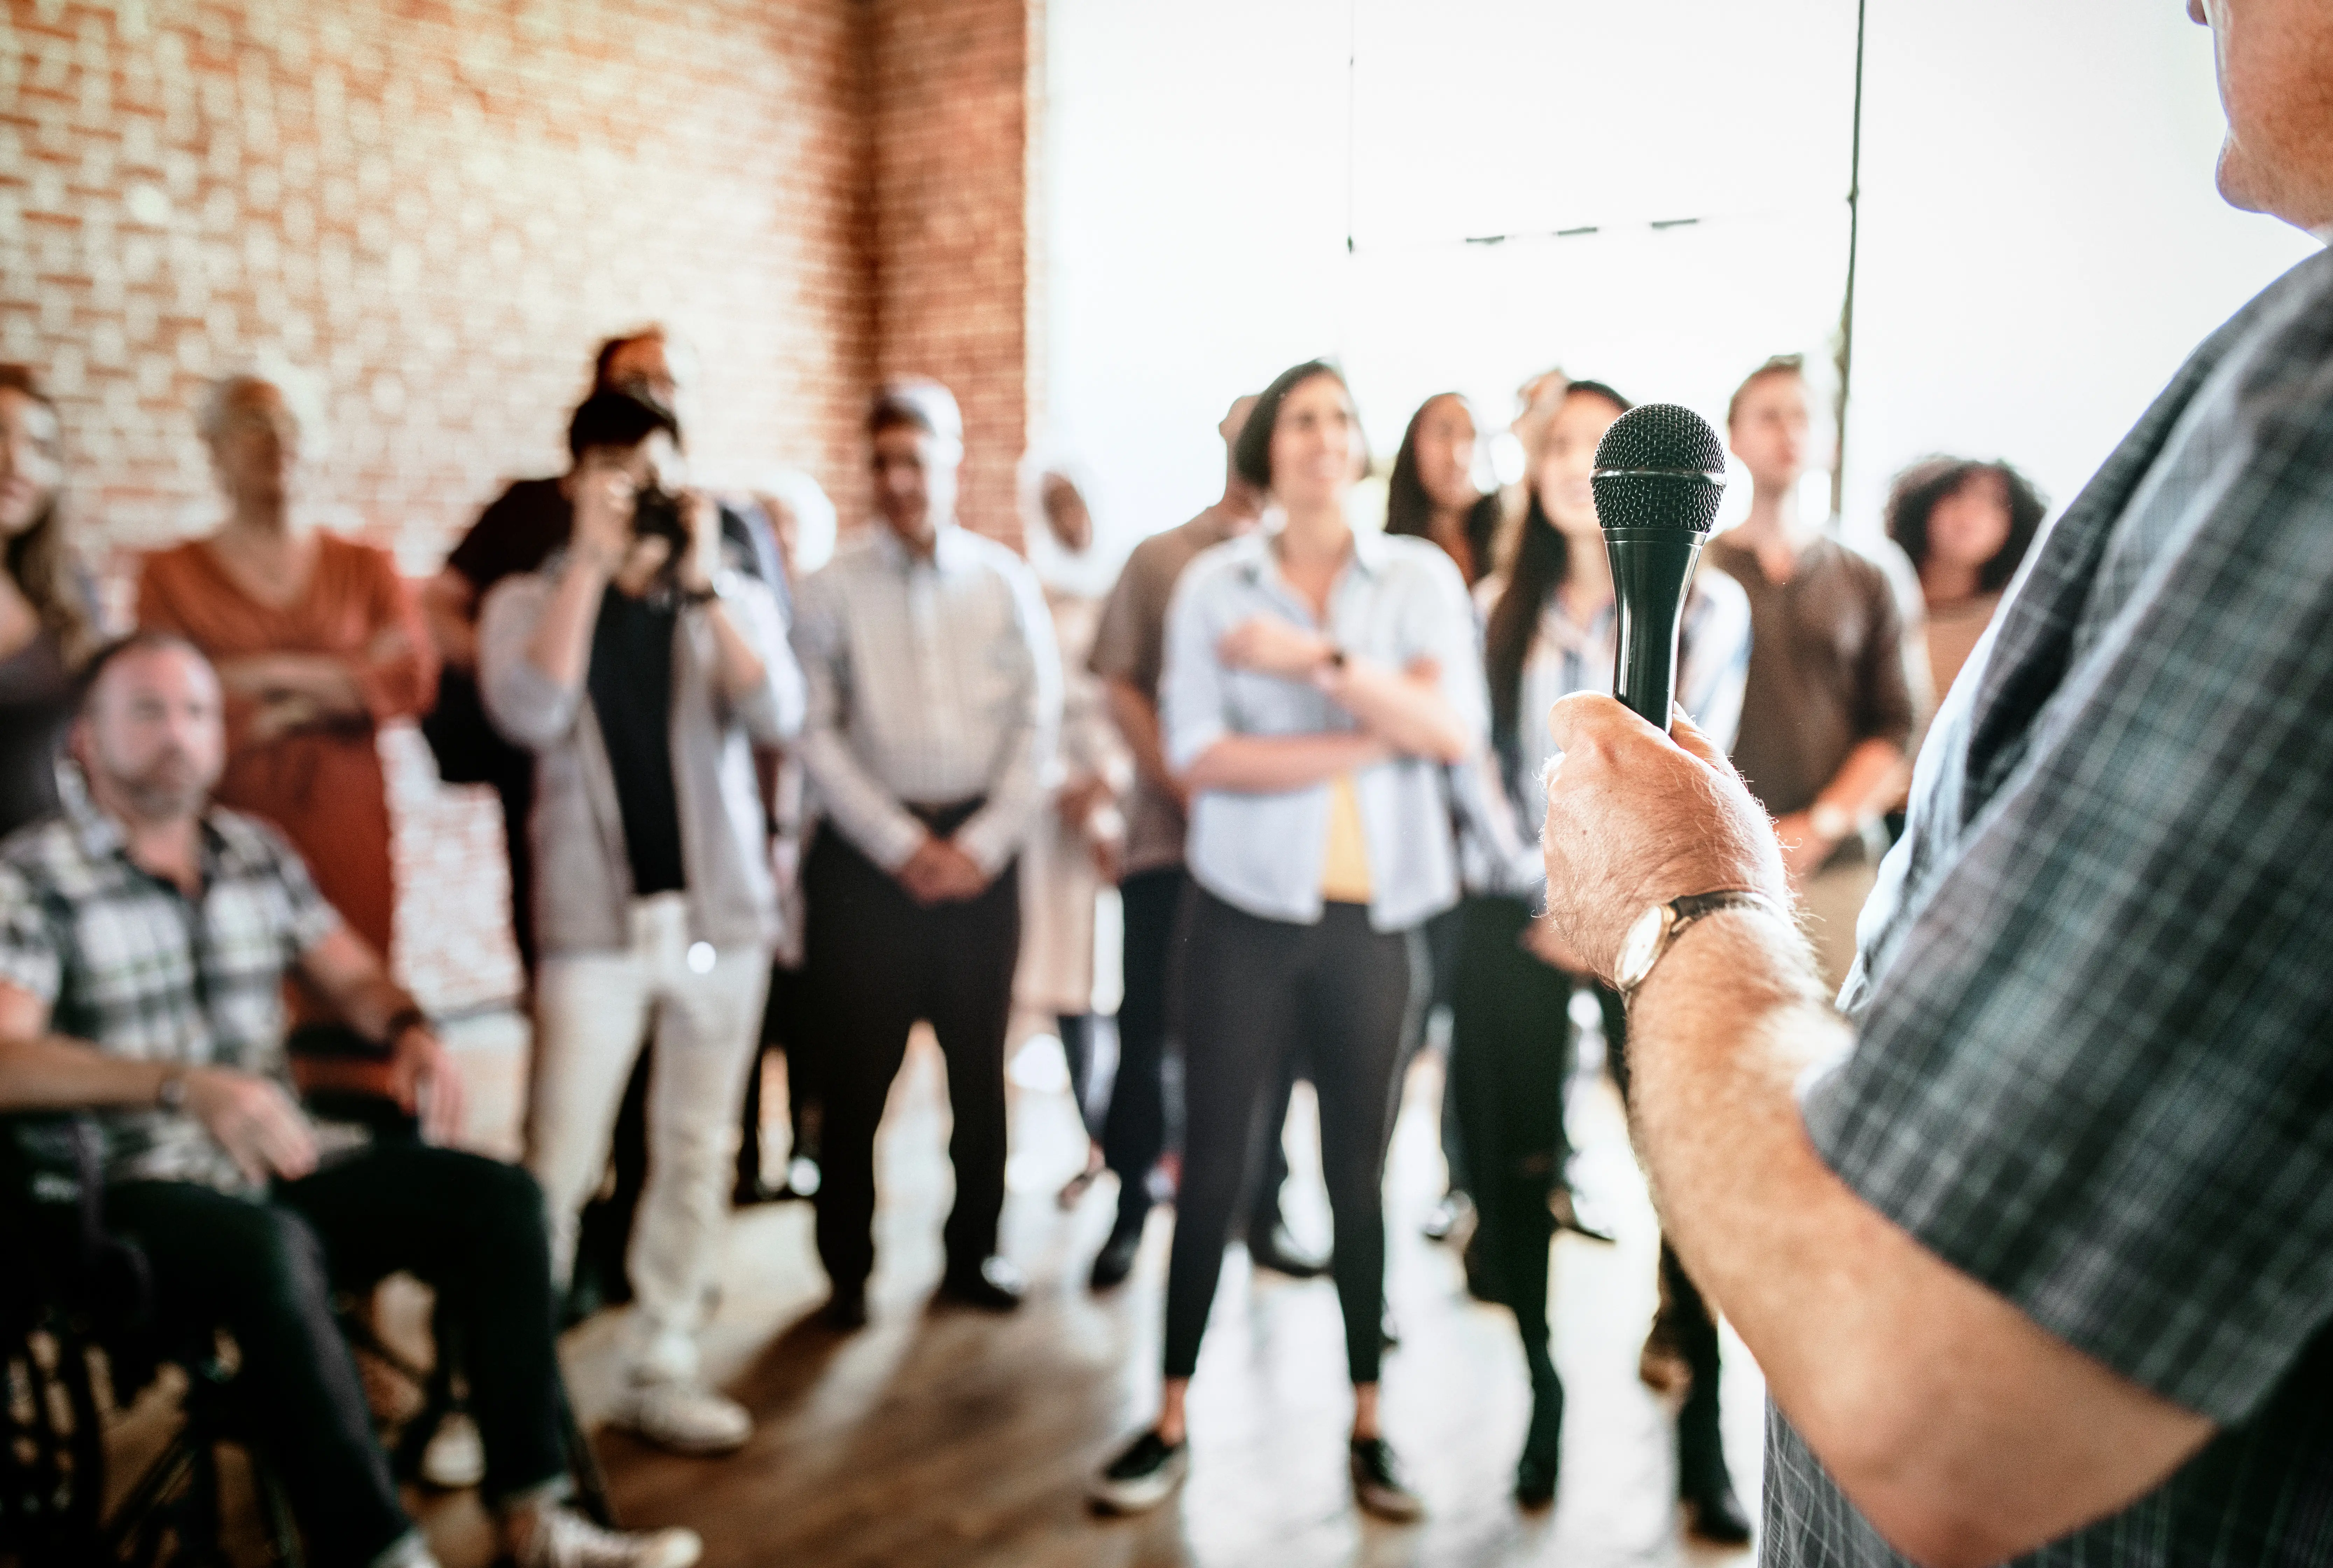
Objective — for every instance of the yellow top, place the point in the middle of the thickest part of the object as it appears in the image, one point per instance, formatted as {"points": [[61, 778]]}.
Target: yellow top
{"points": [[1345, 868]]}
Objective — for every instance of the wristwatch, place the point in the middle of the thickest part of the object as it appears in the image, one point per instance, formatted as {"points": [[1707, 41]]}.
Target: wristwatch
{"points": [[1658, 928], [171, 1093]]}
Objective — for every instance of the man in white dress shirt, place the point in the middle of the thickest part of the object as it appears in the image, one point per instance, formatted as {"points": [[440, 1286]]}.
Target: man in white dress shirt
{"points": [[935, 691]]}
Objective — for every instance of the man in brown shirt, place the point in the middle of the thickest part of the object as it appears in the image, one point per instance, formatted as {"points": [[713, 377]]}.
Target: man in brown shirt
{"points": [[1129, 654], [1828, 713]]}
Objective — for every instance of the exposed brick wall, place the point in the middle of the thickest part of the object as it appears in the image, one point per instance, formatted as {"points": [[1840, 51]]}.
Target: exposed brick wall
{"points": [[951, 141], [438, 205]]}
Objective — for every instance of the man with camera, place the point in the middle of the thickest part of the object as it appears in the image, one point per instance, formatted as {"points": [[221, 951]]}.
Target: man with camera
{"points": [[641, 673]]}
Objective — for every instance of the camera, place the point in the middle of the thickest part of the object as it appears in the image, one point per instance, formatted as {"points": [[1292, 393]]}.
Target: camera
{"points": [[657, 514]]}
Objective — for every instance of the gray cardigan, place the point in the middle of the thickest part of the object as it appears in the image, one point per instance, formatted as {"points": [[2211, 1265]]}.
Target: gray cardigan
{"points": [[582, 873]]}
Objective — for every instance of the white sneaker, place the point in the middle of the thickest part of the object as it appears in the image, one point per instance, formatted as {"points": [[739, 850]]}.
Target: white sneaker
{"points": [[566, 1539], [455, 1458], [686, 1418]]}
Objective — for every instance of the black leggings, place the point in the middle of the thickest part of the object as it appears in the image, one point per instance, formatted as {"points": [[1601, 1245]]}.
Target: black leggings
{"points": [[1256, 993], [1510, 1057]]}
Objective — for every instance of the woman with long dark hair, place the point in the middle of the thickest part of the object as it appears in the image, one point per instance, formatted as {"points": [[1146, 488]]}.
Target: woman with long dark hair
{"points": [[1551, 621], [1319, 679], [47, 627], [1966, 525], [1432, 493]]}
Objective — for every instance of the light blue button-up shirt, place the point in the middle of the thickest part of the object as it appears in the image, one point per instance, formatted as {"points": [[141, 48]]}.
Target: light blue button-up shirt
{"points": [[1397, 601]]}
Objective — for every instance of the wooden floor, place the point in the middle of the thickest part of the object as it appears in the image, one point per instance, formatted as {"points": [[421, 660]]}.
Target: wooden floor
{"points": [[939, 1437]]}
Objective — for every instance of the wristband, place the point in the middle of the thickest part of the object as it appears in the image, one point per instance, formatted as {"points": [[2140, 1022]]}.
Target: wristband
{"points": [[406, 1017]]}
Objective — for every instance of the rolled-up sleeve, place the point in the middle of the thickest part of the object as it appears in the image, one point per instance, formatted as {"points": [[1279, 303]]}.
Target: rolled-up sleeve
{"points": [[2095, 1073], [530, 708], [29, 959], [852, 798], [1193, 710], [772, 712], [1016, 791], [1443, 629]]}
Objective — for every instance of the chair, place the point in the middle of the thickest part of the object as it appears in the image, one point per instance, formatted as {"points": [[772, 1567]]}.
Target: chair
{"points": [[78, 1298], [81, 1303]]}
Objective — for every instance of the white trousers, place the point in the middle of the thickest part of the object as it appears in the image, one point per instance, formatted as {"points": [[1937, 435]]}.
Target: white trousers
{"points": [[592, 1011]]}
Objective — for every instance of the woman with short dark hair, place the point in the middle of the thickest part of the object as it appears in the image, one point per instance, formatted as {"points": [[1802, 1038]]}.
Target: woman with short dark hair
{"points": [[47, 627], [1966, 526], [1318, 681]]}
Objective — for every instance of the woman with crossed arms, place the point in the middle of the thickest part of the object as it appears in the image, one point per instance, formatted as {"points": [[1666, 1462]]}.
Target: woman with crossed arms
{"points": [[1318, 681]]}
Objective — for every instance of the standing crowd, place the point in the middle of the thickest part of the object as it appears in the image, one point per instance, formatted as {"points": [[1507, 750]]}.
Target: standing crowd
{"points": [[751, 805]]}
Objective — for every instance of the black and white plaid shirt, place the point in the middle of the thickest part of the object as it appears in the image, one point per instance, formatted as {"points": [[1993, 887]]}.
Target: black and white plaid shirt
{"points": [[2095, 1069], [133, 965]]}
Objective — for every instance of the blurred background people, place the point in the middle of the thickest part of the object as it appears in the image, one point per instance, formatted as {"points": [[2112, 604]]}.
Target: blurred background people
{"points": [[1075, 844], [1827, 716], [316, 641], [935, 693], [1434, 494], [639, 668], [1965, 527], [517, 532], [1130, 653], [1551, 630], [48, 623], [1318, 680]]}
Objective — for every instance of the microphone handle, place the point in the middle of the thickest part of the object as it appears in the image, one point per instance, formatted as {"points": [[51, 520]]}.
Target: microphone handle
{"points": [[1651, 570]]}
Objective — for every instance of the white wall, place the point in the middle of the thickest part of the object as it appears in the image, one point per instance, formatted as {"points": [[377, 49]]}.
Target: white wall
{"points": [[2041, 244]]}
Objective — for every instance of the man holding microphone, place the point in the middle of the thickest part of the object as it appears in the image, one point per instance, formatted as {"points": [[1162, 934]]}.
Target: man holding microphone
{"points": [[2033, 1234]]}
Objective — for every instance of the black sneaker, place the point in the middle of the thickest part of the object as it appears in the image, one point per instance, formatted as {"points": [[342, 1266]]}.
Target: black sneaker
{"points": [[1714, 1515], [1116, 1259], [1145, 1475], [1378, 1485]]}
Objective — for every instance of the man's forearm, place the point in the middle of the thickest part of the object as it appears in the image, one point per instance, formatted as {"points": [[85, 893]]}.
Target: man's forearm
{"points": [[53, 1073], [740, 667], [1868, 781], [1137, 721], [1959, 1428], [561, 646]]}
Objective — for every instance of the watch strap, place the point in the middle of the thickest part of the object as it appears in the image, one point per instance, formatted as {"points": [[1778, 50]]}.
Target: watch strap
{"points": [[1691, 909]]}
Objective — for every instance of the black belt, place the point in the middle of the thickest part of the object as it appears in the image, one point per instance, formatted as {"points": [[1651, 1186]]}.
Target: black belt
{"points": [[942, 821]]}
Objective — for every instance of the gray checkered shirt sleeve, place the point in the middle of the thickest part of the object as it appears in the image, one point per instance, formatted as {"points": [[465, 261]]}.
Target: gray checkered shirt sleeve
{"points": [[2100, 1078], [29, 959]]}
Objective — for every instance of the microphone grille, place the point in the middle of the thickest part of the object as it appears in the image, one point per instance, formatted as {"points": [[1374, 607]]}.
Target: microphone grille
{"points": [[1660, 466]]}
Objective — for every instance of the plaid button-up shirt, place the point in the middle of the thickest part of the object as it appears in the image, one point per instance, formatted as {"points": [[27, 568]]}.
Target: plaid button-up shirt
{"points": [[131, 964], [2095, 1069]]}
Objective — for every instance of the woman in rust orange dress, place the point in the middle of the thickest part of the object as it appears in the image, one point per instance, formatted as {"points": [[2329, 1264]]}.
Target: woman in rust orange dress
{"points": [[317, 642]]}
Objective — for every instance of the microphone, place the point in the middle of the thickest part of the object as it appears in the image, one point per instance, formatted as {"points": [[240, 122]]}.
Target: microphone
{"points": [[1660, 473]]}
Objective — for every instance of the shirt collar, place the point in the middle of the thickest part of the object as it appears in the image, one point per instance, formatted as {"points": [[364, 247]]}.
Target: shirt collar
{"points": [[101, 838], [1371, 552], [951, 548]]}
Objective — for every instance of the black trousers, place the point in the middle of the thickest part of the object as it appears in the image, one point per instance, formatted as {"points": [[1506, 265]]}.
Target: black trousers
{"points": [[877, 960], [1255, 993], [471, 1228], [1134, 1128], [1701, 1451], [1510, 1057]]}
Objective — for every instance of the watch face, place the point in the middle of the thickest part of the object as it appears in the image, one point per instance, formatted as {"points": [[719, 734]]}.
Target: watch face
{"points": [[1641, 946]]}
